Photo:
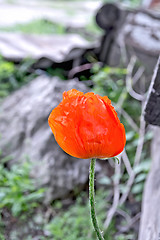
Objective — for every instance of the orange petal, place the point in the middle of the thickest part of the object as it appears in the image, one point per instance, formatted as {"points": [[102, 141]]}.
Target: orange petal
{"points": [[87, 126]]}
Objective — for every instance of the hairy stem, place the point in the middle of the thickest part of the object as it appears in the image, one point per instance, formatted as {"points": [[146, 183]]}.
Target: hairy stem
{"points": [[92, 200]]}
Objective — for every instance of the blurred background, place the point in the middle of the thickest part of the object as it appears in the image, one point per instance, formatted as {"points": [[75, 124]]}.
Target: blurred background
{"points": [[47, 47]]}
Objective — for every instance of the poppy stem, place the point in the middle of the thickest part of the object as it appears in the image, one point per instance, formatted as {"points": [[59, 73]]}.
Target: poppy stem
{"points": [[92, 200]]}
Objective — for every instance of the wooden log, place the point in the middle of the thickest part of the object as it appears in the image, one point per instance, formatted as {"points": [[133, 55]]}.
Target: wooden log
{"points": [[150, 219], [152, 111]]}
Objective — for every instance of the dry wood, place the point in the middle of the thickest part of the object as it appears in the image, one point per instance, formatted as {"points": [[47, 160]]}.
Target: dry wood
{"points": [[150, 219]]}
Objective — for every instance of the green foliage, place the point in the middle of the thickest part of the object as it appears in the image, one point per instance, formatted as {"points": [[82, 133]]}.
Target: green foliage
{"points": [[58, 72], [7, 70], [75, 222], [129, 3], [141, 173], [125, 237], [40, 26], [18, 190], [104, 83], [13, 76], [2, 237]]}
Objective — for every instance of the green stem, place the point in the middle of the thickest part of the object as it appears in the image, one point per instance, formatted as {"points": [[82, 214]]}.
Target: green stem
{"points": [[92, 200]]}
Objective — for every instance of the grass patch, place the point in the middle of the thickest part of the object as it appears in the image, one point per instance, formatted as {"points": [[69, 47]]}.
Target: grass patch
{"points": [[18, 191], [75, 222], [40, 26], [13, 76]]}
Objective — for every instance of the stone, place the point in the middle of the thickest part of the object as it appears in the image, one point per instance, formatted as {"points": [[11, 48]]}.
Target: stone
{"points": [[67, 13], [18, 46], [25, 133]]}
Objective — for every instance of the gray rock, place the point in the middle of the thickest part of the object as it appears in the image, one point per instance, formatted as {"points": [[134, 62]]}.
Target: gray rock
{"points": [[25, 132], [67, 13], [18, 46]]}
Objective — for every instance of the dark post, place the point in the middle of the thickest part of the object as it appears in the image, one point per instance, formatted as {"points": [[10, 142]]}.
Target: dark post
{"points": [[152, 111]]}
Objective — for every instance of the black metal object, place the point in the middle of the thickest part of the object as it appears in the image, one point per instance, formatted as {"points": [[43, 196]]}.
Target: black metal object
{"points": [[152, 111], [107, 18]]}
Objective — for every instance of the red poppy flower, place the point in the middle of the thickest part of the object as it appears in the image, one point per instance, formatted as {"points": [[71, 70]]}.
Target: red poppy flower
{"points": [[87, 126]]}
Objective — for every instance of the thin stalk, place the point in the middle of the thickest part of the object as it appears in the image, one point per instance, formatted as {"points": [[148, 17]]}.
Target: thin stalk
{"points": [[92, 200]]}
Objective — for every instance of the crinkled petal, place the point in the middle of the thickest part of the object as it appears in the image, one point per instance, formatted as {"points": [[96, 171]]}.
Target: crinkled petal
{"points": [[87, 126]]}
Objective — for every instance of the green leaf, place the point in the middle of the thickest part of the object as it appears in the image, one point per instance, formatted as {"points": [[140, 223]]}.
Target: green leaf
{"points": [[141, 177], [137, 188], [142, 167], [116, 158], [105, 181]]}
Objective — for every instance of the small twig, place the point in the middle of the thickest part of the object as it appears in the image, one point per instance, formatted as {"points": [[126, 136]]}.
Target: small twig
{"points": [[129, 79], [136, 160], [129, 120], [127, 162], [121, 100], [134, 94], [124, 214], [130, 223], [111, 162], [140, 142], [128, 187], [138, 74], [115, 204]]}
